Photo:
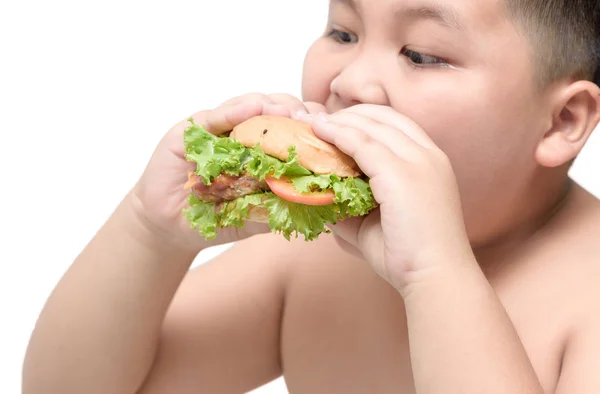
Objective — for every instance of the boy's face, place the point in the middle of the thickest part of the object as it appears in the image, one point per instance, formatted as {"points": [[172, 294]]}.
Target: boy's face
{"points": [[460, 69]]}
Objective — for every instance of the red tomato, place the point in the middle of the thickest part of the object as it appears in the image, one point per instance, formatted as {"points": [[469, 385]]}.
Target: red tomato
{"points": [[283, 188]]}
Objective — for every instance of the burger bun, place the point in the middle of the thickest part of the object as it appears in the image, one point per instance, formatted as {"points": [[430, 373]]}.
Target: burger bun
{"points": [[275, 134]]}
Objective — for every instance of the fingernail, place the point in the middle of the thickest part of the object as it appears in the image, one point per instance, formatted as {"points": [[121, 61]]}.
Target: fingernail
{"points": [[299, 114], [277, 109], [322, 116], [303, 116]]}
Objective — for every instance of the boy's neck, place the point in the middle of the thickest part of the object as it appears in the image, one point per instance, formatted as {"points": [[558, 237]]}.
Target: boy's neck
{"points": [[539, 209]]}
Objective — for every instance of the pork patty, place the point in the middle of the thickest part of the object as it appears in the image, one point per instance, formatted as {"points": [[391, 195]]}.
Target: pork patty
{"points": [[227, 188]]}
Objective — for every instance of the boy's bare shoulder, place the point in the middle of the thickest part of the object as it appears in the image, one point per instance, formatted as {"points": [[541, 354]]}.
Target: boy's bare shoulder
{"points": [[572, 252], [559, 267]]}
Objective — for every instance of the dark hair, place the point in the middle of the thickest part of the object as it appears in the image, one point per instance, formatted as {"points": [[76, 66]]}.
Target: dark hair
{"points": [[565, 35]]}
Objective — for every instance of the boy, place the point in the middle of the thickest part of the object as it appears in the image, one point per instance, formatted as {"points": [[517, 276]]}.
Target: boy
{"points": [[477, 274]]}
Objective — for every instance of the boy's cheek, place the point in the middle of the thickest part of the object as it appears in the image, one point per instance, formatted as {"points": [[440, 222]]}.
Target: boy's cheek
{"points": [[315, 91], [319, 70], [466, 120]]}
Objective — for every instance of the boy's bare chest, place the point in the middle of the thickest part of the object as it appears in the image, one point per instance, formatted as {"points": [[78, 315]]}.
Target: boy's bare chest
{"points": [[344, 330]]}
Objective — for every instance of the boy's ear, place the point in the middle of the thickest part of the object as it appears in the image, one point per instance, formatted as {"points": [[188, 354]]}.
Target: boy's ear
{"points": [[575, 116]]}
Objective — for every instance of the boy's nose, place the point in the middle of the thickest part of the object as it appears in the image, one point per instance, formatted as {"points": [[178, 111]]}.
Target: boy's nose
{"points": [[359, 83]]}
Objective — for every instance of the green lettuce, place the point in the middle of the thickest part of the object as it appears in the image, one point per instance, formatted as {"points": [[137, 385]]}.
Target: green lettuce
{"points": [[351, 194], [289, 218], [215, 155], [285, 217], [206, 218]]}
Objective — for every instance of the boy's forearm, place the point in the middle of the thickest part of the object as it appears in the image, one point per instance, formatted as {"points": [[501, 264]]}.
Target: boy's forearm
{"points": [[462, 340], [98, 331]]}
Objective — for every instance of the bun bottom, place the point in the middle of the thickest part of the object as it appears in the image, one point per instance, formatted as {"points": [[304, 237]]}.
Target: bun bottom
{"points": [[258, 213]]}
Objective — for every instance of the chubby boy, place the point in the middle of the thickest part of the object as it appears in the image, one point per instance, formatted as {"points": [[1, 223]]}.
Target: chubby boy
{"points": [[477, 273]]}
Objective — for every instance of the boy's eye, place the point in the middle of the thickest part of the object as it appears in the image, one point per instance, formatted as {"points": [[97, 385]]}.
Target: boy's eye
{"points": [[418, 59], [342, 37]]}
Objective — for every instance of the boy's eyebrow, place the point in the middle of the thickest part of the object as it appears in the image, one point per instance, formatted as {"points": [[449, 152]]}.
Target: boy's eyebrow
{"points": [[444, 15]]}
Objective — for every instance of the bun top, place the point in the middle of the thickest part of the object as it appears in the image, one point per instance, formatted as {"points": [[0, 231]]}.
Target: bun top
{"points": [[275, 134]]}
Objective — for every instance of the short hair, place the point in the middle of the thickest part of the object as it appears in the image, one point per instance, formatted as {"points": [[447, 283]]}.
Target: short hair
{"points": [[565, 37]]}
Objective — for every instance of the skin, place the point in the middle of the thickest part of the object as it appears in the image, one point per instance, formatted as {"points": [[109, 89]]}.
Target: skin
{"points": [[469, 283]]}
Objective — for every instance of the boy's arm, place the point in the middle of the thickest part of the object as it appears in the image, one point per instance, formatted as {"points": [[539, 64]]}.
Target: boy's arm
{"points": [[222, 332], [461, 338], [580, 371], [102, 329]]}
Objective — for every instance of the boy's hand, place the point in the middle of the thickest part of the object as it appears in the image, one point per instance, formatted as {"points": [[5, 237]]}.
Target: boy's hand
{"points": [[159, 196], [418, 226]]}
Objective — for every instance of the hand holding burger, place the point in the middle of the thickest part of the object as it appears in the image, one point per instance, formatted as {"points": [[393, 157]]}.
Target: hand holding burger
{"points": [[159, 197]]}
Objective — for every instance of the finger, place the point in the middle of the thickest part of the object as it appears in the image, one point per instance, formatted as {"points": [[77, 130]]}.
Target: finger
{"points": [[389, 116], [314, 108], [239, 109], [373, 157], [348, 247], [356, 234], [391, 137], [224, 119], [295, 105], [347, 230], [277, 110]]}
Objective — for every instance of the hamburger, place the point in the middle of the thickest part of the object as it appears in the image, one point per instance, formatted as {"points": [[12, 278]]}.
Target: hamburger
{"points": [[275, 170]]}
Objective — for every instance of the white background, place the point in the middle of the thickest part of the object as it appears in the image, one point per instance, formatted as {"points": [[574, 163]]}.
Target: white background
{"points": [[86, 91]]}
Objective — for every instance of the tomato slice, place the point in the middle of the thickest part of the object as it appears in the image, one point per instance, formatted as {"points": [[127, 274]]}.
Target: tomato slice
{"points": [[283, 188]]}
